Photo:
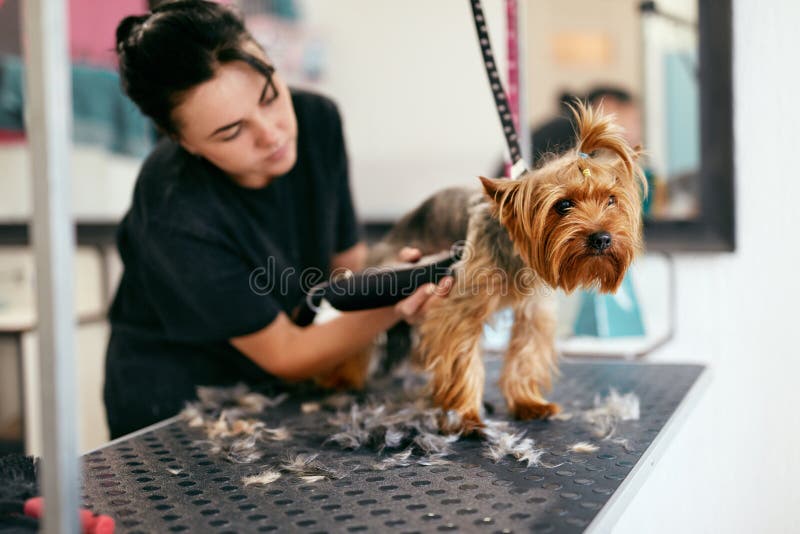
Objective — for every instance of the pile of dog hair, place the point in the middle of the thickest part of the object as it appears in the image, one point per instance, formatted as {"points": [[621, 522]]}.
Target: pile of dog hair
{"points": [[402, 429]]}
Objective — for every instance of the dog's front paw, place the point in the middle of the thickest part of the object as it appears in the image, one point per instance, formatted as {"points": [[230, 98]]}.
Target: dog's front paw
{"points": [[340, 381], [351, 374], [535, 410]]}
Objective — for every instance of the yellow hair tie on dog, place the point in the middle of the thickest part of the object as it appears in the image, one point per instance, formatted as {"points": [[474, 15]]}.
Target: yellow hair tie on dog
{"points": [[587, 172]]}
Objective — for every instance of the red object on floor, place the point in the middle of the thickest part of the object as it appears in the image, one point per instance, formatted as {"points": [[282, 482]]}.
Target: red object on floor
{"points": [[90, 523], [103, 524]]}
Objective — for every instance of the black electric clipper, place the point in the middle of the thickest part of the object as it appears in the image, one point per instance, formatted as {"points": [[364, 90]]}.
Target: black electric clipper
{"points": [[375, 287]]}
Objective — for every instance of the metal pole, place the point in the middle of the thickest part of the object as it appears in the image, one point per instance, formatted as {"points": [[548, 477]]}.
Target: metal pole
{"points": [[48, 106]]}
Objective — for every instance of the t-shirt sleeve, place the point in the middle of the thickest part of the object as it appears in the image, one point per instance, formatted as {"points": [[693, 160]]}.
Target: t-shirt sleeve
{"points": [[201, 288], [348, 231]]}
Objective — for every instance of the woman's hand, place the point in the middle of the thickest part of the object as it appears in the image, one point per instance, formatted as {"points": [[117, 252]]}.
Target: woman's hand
{"points": [[413, 309]]}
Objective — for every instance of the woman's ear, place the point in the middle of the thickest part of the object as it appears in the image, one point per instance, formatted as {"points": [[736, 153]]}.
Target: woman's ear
{"points": [[190, 148]]}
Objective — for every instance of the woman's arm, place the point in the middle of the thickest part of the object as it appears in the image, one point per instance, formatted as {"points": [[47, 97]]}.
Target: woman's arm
{"points": [[295, 353]]}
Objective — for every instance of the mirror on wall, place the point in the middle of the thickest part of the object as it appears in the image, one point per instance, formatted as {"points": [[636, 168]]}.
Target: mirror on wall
{"points": [[638, 61], [663, 67], [418, 110]]}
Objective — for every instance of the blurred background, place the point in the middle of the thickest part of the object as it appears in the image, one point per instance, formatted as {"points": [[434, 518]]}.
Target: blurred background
{"points": [[418, 117]]}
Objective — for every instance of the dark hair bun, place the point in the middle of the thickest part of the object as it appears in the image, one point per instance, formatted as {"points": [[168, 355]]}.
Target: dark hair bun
{"points": [[127, 27], [175, 47]]}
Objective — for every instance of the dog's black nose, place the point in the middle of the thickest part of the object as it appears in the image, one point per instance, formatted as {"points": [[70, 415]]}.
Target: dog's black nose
{"points": [[600, 241]]}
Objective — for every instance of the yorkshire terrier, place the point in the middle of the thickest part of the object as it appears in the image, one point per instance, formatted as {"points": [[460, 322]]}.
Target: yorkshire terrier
{"points": [[574, 222]]}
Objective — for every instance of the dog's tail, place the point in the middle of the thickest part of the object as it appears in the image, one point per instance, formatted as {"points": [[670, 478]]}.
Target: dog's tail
{"points": [[599, 132]]}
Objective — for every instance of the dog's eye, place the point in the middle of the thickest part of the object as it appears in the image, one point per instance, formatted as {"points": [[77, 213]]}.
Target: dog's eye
{"points": [[612, 200], [563, 206]]}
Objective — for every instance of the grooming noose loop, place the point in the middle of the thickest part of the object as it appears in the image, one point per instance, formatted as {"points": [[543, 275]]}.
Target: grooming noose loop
{"points": [[519, 166]]}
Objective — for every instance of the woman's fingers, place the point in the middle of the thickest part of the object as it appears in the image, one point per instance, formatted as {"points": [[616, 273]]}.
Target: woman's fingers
{"points": [[409, 254], [444, 286], [414, 308], [409, 306], [441, 291]]}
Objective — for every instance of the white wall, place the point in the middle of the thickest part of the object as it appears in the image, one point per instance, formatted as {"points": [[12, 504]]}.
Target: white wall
{"points": [[409, 80], [735, 466]]}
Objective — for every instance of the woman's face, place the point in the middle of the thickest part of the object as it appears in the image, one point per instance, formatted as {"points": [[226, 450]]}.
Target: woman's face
{"points": [[241, 123]]}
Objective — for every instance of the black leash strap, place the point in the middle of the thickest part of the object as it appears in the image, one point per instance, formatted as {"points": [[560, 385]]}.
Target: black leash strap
{"points": [[500, 99]]}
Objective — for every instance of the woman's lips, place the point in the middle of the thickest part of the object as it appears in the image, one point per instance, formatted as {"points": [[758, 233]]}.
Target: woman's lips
{"points": [[278, 154]]}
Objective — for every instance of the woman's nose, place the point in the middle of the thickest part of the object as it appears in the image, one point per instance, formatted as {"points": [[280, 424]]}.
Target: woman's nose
{"points": [[266, 132]]}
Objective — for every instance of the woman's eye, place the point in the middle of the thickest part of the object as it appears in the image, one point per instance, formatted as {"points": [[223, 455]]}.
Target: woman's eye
{"points": [[612, 200], [234, 135], [563, 206]]}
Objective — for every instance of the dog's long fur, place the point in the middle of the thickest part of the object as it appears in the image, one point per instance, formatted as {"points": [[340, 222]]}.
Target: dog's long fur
{"points": [[521, 242]]}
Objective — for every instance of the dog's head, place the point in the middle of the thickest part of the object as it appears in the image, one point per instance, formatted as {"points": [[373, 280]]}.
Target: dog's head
{"points": [[577, 219]]}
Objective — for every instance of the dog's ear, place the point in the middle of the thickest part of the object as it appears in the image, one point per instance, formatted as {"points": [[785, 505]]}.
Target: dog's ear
{"points": [[502, 194], [500, 190], [629, 174]]}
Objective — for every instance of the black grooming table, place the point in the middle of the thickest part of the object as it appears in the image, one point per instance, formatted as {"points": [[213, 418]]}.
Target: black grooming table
{"points": [[162, 480]]}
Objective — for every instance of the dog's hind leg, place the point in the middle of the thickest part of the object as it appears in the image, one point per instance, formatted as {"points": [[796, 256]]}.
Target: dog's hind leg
{"points": [[450, 349], [530, 360]]}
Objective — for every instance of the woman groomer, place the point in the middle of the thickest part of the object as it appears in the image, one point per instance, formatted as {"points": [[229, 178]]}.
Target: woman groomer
{"points": [[251, 177]]}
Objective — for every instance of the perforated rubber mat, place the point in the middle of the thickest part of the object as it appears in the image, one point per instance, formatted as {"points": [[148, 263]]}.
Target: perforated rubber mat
{"points": [[165, 480]]}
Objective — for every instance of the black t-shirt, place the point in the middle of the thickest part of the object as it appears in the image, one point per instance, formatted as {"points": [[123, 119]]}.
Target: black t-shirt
{"points": [[207, 260]]}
